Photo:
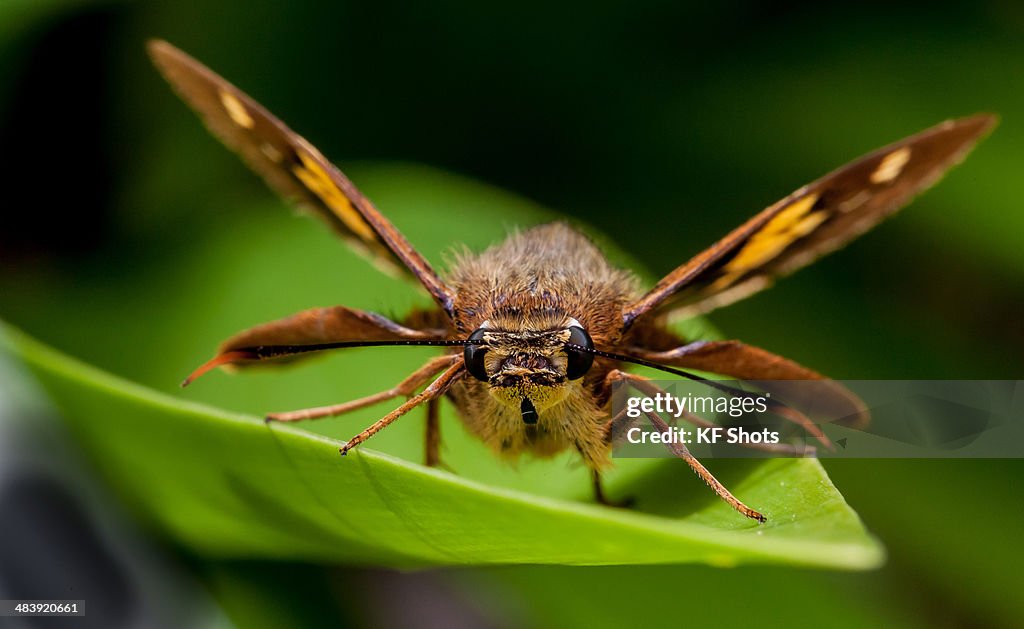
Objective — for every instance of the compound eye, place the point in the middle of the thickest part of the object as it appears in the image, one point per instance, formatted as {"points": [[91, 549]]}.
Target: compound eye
{"points": [[579, 361], [474, 356]]}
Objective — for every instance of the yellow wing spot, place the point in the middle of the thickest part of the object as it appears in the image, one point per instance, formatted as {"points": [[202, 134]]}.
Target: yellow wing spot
{"points": [[313, 176], [891, 166], [236, 110], [787, 226]]}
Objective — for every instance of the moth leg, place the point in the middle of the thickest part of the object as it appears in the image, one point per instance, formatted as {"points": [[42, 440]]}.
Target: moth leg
{"points": [[600, 496], [648, 388], [432, 441], [681, 451], [432, 392], [404, 388]]}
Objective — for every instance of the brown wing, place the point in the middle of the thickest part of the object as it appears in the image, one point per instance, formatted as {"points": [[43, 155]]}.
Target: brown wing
{"points": [[807, 390], [310, 328], [293, 167], [813, 221]]}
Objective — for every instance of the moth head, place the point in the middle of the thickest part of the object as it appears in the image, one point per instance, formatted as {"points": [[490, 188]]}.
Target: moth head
{"points": [[526, 369]]}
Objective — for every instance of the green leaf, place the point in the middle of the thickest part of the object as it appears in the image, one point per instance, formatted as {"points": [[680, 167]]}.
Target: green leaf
{"points": [[228, 485], [231, 485]]}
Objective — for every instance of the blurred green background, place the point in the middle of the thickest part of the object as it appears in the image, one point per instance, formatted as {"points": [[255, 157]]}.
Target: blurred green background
{"points": [[663, 124]]}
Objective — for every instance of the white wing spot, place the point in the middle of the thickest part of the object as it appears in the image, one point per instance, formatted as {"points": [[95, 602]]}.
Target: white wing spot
{"points": [[236, 110], [891, 166]]}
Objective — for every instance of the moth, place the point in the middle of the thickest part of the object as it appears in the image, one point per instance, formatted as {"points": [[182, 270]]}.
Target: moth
{"points": [[536, 330]]}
